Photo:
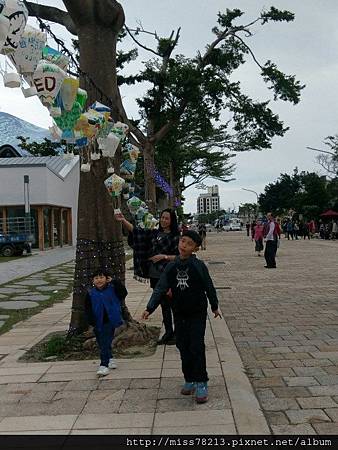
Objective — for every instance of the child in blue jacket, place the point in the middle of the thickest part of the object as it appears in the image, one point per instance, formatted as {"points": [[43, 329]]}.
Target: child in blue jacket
{"points": [[103, 310]]}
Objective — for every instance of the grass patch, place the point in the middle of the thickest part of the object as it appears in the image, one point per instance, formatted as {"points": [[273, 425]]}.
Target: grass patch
{"points": [[4, 259]]}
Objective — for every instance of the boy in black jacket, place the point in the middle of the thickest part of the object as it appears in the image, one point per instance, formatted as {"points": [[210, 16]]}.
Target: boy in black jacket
{"points": [[190, 284]]}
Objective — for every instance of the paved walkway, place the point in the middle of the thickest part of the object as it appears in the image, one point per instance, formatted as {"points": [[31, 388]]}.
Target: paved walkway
{"points": [[140, 397], [38, 261], [285, 325], [273, 361]]}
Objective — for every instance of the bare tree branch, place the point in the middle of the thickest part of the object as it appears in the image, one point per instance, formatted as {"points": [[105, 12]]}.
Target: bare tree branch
{"points": [[52, 14], [321, 151], [139, 43]]}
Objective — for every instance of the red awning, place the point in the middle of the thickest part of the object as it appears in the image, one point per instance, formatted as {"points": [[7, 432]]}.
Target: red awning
{"points": [[329, 213]]}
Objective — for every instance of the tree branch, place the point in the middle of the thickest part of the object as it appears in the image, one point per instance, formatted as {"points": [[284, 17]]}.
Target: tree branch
{"points": [[52, 14], [249, 50], [321, 151], [139, 43]]}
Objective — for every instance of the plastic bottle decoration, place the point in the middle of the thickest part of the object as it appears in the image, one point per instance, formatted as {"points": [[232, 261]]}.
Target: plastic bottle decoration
{"points": [[99, 107], [29, 52], [82, 97], [85, 167], [48, 79], [134, 204], [55, 133], [114, 185], [128, 169], [68, 93], [95, 156], [109, 145], [17, 14], [133, 152], [68, 119], [11, 79], [53, 56], [4, 26]]}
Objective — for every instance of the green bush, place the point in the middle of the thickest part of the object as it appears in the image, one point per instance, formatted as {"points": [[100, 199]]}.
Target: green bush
{"points": [[55, 346]]}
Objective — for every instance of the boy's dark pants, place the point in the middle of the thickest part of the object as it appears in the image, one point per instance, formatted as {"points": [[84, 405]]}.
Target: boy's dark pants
{"points": [[190, 342], [104, 339], [270, 253], [166, 309]]}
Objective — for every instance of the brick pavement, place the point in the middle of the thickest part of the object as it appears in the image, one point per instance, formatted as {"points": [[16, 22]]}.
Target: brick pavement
{"points": [[141, 397], [284, 323]]}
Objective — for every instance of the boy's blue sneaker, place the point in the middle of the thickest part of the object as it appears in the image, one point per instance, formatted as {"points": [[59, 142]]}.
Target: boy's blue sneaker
{"points": [[202, 392], [188, 388]]}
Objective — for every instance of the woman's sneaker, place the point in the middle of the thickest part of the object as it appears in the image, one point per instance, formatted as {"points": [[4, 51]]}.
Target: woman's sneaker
{"points": [[102, 371], [188, 388], [112, 364], [201, 392]]}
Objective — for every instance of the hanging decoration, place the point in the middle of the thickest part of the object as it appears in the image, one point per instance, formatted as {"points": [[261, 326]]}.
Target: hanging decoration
{"points": [[114, 185], [68, 93], [29, 51], [48, 79], [4, 26], [53, 56], [17, 14]]}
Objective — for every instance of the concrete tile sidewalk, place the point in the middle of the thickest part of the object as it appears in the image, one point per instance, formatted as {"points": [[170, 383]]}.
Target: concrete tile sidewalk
{"points": [[141, 397]]}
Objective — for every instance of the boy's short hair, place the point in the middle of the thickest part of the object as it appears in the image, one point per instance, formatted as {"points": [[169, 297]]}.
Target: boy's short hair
{"points": [[98, 272], [194, 236]]}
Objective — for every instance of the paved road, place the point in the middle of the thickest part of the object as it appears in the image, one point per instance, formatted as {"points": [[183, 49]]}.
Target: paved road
{"points": [[285, 325], [35, 263]]}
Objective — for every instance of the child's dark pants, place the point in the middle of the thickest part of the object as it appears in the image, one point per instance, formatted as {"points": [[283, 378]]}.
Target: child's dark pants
{"points": [[190, 342], [104, 339]]}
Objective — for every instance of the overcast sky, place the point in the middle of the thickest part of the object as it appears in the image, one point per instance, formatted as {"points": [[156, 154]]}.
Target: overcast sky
{"points": [[307, 47]]}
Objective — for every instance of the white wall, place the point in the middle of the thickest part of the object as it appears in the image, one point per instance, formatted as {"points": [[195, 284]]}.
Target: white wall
{"points": [[45, 188]]}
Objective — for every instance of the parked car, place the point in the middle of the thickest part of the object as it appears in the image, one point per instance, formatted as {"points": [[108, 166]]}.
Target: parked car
{"points": [[14, 244], [233, 225]]}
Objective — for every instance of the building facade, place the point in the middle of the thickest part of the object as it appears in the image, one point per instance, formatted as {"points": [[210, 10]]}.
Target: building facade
{"points": [[53, 195], [208, 202]]}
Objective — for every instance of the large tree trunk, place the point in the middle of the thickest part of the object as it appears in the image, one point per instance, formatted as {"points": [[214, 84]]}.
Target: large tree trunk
{"points": [[99, 236]]}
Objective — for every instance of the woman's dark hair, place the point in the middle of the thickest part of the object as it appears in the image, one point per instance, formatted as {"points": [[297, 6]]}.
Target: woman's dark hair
{"points": [[173, 221]]}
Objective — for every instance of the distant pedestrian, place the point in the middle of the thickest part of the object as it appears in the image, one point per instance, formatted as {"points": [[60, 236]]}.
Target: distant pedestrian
{"points": [[271, 236], [258, 237], [202, 231], [295, 230], [252, 228], [103, 311], [247, 226], [289, 230], [191, 285], [306, 230], [334, 230]]}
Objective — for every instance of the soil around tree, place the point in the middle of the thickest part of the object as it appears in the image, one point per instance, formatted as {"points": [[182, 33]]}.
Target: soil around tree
{"points": [[58, 347]]}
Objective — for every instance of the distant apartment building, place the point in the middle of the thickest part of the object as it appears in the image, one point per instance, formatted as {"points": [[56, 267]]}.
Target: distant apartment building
{"points": [[208, 202]]}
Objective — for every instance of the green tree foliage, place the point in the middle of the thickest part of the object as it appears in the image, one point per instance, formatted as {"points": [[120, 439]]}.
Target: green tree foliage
{"points": [[182, 112], [306, 192]]}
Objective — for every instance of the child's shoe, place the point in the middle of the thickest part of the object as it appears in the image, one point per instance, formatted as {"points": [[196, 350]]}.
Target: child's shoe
{"points": [[102, 371], [201, 392], [188, 388], [112, 364]]}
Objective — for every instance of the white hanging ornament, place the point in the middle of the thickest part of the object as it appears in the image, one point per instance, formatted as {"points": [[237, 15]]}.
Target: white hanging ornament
{"points": [[29, 52], [108, 145], [95, 156], [4, 27], [48, 79], [12, 80], [17, 14], [85, 167], [111, 170]]}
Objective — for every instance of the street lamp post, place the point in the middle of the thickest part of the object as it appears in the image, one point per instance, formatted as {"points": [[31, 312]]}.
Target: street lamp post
{"points": [[250, 190]]}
